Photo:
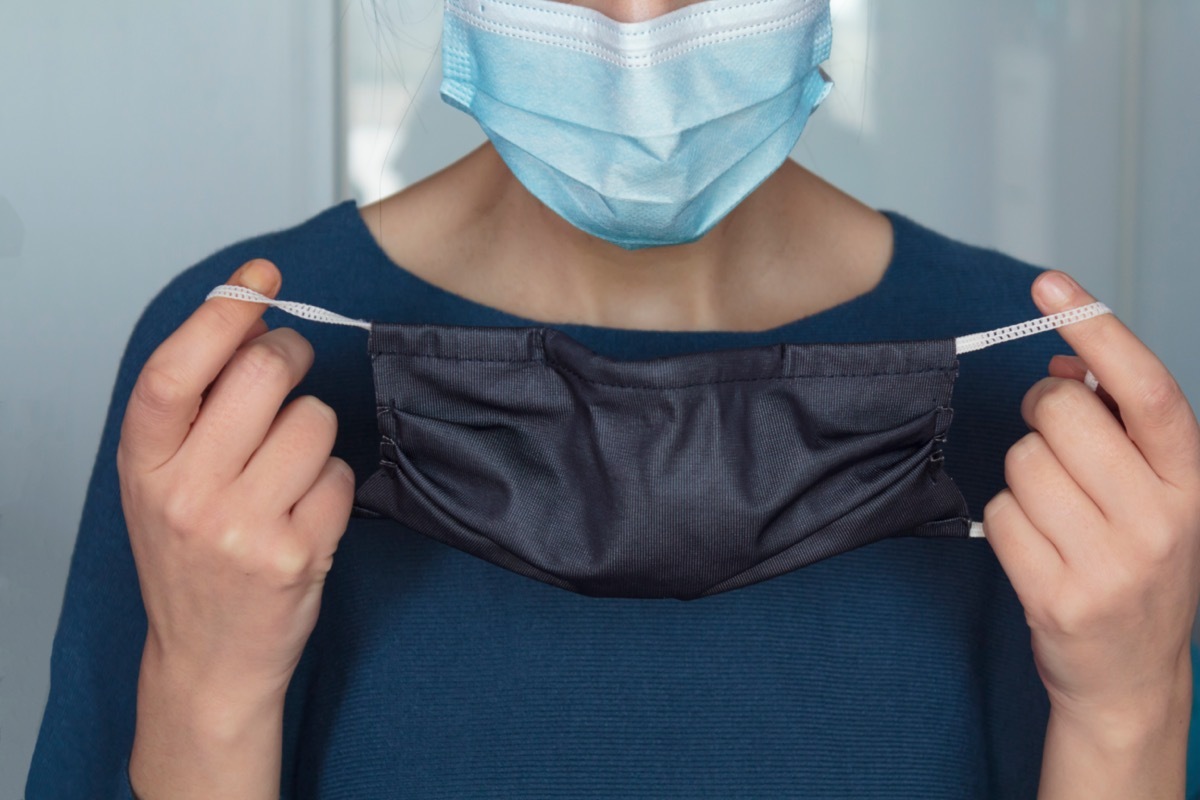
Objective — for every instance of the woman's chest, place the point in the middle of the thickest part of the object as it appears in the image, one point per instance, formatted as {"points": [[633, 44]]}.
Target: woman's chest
{"points": [[883, 672]]}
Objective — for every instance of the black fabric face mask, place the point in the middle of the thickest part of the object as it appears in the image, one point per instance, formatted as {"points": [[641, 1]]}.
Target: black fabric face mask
{"points": [[676, 477]]}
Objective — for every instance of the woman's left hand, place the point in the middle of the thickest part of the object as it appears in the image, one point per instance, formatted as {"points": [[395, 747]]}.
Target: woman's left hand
{"points": [[1099, 528]]}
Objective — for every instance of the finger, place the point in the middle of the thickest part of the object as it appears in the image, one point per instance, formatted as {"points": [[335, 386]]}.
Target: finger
{"points": [[257, 329], [1071, 367], [1156, 414], [1030, 560], [166, 396], [1089, 443], [1074, 368], [1052, 501], [292, 454], [244, 401], [324, 510]]}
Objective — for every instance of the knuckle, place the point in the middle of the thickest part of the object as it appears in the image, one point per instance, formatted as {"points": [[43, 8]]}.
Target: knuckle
{"points": [[1032, 395], [1028, 445], [180, 510], [343, 469], [1160, 544], [994, 509], [277, 561], [288, 562], [158, 391], [1062, 398], [294, 339], [991, 512], [1159, 399], [1071, 612], [347, 483], [233, 541], [1117, 586], [266, 360], [1123, 581], [321, 410]]}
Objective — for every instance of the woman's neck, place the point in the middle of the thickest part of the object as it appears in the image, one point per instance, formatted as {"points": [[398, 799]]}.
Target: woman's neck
{"points": [[794, 247]]}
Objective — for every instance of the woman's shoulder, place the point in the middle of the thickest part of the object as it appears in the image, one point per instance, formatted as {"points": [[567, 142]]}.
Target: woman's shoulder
{"points": [[971, 282]]}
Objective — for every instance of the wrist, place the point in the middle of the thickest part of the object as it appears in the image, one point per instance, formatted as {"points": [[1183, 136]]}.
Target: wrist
{"points": [[203, 738], [1134, 748], [1115, 755], [213, 693], [1125, 725]]}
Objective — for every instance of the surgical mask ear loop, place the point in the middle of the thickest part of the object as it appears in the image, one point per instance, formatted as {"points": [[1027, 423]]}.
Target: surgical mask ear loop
{"points": [[303, 310], [978, 341], [963, 344]]}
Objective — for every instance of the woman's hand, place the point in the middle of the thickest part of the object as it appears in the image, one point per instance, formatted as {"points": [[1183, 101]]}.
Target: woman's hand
{"points": [[234, 510], [1099, 532]]}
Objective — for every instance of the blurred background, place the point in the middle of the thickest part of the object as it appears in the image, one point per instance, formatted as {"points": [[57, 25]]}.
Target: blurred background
{"points": [[137, 137]]}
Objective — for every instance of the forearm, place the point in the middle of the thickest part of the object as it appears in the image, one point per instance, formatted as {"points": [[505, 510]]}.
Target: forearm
{"points": [[192, 741], [1137, 755]]}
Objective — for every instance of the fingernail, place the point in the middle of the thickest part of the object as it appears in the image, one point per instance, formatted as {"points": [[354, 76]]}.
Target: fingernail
{"points": [[259, 276], [1056, 288]]}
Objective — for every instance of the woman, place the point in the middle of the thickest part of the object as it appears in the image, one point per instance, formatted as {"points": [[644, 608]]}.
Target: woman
{"points": [[634, 195]]}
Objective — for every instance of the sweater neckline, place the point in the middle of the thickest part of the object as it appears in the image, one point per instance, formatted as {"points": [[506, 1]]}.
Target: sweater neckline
{"points": [[453, 308]]}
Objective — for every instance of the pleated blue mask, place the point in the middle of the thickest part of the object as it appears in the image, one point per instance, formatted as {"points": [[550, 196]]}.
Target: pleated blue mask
{"points": [[644, 133]]}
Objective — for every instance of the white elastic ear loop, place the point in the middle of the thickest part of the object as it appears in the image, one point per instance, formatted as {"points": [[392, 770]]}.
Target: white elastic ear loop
{"points": [[978, 341], [303, 310]]}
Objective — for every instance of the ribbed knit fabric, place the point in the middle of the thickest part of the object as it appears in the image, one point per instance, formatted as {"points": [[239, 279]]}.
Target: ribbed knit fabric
{"points": [[901, 669]]}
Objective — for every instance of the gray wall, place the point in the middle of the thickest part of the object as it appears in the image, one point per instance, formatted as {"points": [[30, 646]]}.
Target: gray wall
{"points": [[136, 137]]}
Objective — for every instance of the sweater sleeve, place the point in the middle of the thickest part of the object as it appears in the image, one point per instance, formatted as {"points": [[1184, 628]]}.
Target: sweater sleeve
{"points": [[87, 726]]}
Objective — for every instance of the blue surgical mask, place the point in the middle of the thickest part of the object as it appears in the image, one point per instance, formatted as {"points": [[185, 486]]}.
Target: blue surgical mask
{"points": [[644, 133]]}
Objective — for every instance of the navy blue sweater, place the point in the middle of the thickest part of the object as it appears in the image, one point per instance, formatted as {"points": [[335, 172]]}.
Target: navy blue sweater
{"points": [[900, 669]]}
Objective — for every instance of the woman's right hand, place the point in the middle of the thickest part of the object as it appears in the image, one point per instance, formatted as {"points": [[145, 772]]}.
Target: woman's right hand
{"points": [[234, 510]]}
